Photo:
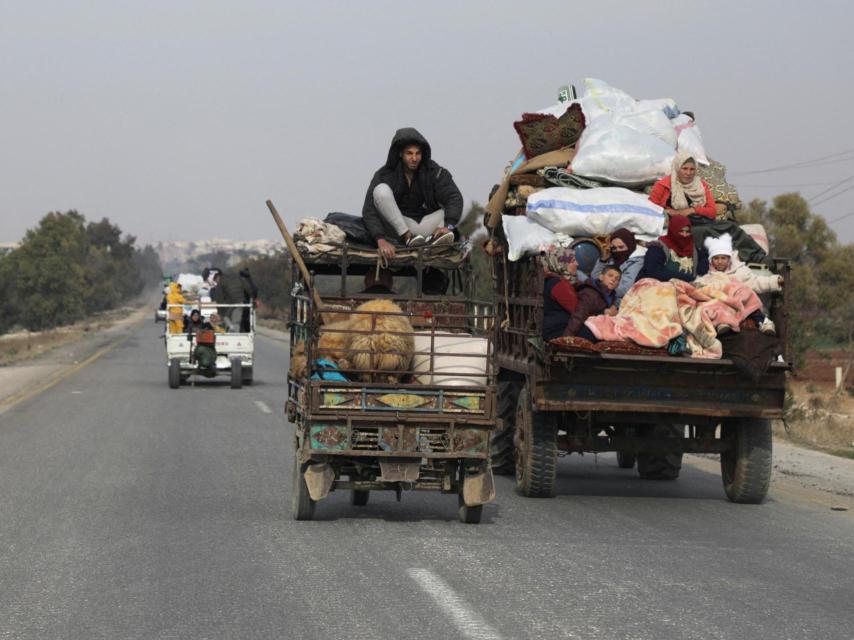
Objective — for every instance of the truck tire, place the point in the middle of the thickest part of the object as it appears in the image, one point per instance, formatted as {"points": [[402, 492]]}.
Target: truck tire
{"points": [[236, 374], [535, 442], [174, 373], [302, 506], [626, 460], [501, 448], [468, 515], [657, 466], [746, 468], [247, 376], [359, 497]]}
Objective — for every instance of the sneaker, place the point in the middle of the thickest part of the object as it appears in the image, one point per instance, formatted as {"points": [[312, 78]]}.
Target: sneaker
{"points": [[724, 328], [767, 327], [416, 241], [444, 239]]}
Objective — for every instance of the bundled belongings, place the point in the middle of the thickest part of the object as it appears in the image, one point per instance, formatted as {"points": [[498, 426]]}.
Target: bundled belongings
{"points": [[588, 212]]}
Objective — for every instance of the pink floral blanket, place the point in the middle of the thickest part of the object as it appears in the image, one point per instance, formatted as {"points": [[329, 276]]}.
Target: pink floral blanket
{"points": [[654, 312]]}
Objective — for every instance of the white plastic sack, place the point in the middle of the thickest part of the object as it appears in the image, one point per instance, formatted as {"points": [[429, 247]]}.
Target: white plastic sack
{"points": [[622, 155], [589, 212], [649, 121], [447, 368], [601, 98], [690, 139], [190, 283], [524, 236]]}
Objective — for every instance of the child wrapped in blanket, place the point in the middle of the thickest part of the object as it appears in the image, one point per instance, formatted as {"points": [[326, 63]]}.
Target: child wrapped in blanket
{"points": [[723, 265]]}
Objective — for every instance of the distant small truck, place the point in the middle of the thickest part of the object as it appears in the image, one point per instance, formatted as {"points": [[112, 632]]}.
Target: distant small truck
{"points": [[650, 410], [230, 353]]}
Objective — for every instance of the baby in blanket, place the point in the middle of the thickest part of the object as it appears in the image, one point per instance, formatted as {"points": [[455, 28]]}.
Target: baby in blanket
{"points": [[722, 266]]}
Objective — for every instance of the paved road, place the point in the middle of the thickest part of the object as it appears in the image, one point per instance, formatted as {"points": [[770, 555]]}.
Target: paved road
{"points": [[128, 510]]}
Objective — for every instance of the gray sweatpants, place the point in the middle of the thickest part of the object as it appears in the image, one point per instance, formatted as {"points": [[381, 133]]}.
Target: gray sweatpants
{"points": [[386, 205]]}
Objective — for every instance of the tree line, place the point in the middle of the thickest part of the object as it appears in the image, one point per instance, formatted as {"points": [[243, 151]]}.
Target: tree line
{"points": [[67, 268]]}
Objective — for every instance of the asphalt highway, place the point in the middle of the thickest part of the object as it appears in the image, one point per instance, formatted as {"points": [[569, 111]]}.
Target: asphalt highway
{"points": [[129, 510]]}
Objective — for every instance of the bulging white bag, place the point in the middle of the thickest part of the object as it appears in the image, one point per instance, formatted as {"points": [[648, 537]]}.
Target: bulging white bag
{"points": [[649, 121], [589, 212], [524, 236], [620, 154], [690, 139]]}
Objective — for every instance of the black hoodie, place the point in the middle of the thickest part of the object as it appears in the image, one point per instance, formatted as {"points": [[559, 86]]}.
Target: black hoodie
{"points": [[435, 183]]}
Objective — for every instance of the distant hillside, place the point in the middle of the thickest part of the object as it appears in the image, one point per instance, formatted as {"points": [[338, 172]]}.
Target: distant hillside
{"points": [[192, 255]]}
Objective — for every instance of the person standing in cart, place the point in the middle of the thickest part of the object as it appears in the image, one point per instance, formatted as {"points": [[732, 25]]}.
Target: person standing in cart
{"points": [[411, 200]]}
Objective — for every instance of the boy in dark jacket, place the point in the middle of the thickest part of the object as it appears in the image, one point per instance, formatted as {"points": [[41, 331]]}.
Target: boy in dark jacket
{"points": [[594, 297], [411, 200]]}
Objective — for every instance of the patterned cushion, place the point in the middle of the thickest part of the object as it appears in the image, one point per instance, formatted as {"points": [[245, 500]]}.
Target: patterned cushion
{"points": [[627, 348], [541, 133], [722, 191]]}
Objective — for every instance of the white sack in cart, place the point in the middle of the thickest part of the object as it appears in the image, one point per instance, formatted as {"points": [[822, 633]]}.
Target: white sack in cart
{"points": [[190, 283], [589, 212], [620, 154], [524, 236], [447, 368], [690, 138]]}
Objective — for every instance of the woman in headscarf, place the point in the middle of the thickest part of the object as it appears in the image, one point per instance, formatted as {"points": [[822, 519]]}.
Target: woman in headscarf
{"points": [[627, 255], [559, 296], [674, 255], [683, 191]]}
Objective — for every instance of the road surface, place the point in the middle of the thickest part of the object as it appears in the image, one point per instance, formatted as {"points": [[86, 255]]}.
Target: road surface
{"points": [[129, 510]]}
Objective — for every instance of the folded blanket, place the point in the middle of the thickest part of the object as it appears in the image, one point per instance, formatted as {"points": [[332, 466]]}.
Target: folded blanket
{"points": [[653, 312]]}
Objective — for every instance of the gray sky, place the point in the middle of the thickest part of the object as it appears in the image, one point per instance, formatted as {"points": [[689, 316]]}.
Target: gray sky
{"points": [[178, 119]]}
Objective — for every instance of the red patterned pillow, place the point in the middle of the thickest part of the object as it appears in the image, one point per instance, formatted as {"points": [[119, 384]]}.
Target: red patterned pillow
{"points": [[541, 133]]}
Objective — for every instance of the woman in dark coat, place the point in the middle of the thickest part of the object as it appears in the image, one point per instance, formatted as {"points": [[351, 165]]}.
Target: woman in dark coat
{"points": [[674, 255]]}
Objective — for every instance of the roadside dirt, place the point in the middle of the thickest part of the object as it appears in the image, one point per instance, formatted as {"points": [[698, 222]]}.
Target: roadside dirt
{"points": [[53, 355]]}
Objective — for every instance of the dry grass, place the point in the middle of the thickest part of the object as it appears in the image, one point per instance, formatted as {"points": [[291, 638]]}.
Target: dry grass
{"points": [[820, 418], [24, 345]]}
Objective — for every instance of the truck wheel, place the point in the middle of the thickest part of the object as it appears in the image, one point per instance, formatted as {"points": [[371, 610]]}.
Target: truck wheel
{"points": [[536, 450], [236, 374], [658, 466], [359, 497], [746, 468], [468, 515], [247, 376], [625, 460], [174, 373], [302, 506], [501, 448]]}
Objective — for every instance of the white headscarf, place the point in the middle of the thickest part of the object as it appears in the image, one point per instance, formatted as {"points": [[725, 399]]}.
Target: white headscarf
{"points": [[683, 196]]}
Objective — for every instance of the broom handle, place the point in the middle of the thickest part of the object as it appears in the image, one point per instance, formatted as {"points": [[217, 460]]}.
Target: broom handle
{"points": [[292, 247]]}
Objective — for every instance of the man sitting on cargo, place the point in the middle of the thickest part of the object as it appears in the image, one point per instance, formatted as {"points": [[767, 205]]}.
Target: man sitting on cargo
{"points": [[411, 200]]}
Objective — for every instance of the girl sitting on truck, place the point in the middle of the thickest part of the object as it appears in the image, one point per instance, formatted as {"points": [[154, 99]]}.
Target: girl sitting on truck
{"points": [[723, 267], [674, 255]]}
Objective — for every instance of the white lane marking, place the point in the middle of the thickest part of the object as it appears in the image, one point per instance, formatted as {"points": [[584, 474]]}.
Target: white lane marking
{"points": [[469, 623], [263, 407]]}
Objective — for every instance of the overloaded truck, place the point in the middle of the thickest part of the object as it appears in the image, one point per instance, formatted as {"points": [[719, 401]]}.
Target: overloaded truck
{"points": [[391, 386], [649, 409]]}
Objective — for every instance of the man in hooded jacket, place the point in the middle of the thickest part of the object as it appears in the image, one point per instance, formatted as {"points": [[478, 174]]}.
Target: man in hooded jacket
{"points": [[411, 199]]}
